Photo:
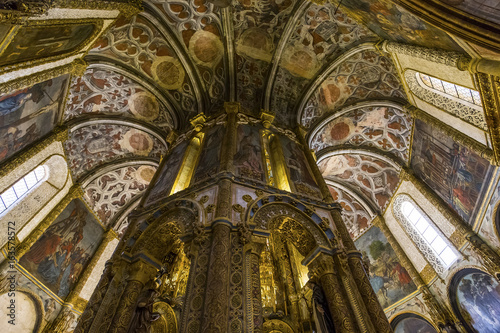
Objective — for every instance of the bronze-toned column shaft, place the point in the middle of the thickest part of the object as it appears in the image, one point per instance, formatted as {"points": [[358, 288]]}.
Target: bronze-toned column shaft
{"points": [[217, 292], [323, 269]]}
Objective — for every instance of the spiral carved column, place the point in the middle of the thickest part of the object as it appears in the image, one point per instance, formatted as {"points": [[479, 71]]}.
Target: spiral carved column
{"points": [[323, 269]]}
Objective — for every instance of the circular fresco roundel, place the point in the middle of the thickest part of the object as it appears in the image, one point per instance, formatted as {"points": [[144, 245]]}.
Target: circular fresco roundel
{"points": [[137, 141], [144, 106], [168, 72], [206, 48], [145, 173]]}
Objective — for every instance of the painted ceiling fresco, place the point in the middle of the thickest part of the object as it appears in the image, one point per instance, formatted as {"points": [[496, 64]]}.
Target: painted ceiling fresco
{"points": [[139, 44], [385, 128], [198, 25], [370, 176], [109, 193], [90, 146], [318, 36], [356, 217], [391, 22], [365, 75], [454, 172], [106, 92]]}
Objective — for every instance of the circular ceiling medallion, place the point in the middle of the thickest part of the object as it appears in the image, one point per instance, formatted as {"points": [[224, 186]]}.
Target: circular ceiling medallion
{"points": [[206, 48], [145, 173], [300, 61], [255, 43], [137, 142], [144, 105], [168, 72], [338, 130]]}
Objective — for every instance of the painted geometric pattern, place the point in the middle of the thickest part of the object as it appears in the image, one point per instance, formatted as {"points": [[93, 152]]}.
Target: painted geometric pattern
{"points": [[198, 26], [109, 193], [257, 26], [385, 128], [106, 92], [365, 75], [369, 175], [139, 44], [318, 37], [355, 216], [90, 146]]}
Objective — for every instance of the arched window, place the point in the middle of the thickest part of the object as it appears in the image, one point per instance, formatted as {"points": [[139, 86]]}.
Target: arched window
{"points": [[450, 89], [22, 187], [433, 244]]}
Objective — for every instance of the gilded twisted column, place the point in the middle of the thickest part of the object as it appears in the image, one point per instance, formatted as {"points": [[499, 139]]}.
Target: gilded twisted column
{"points": [[482, 251], [257, 245], [74, 192], [368, 296], [320, 180], [323, 269], [439, 315], [489, 87], [140, 273], [217, 291]]}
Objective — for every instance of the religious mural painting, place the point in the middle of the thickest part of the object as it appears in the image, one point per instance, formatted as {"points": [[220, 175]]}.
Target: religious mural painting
{"points": [[413, 324], [454, 172], [168, 173], [476, 296], [386, 128], [389, 279], [29, 114], [209, 161], [248, 158], [298, 167], [36, 42], [61, 254], [392, 22]]}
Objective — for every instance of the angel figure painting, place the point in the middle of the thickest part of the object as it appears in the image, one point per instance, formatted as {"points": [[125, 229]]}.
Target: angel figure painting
{"points": [[61, 254]]}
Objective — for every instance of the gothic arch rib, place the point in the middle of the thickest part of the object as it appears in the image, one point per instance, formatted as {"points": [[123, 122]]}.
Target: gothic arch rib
{"points": [[298, 11], [109, 63], [325, 73], [154, 16]]}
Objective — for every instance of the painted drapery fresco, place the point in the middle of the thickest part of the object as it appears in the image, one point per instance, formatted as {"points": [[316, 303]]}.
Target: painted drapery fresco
{"points": [[388, 277], [30, 43], [455, 173], [29, 114], [168, 173], [414, 325], [478, 298], [61, 254], [210, 154], [394, 23], [248, 157]]}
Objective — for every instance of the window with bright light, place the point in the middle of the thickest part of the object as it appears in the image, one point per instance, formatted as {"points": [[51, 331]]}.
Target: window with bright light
{"points": [[430, 241], [450, 89], [22, 187]]}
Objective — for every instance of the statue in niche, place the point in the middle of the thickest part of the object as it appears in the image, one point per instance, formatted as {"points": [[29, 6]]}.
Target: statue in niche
{"points": [[321, 309], [144, 315]]}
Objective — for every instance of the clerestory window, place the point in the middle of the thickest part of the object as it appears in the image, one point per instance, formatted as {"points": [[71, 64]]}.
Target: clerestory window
{"points": [[450, 89], [22, 187], [426, 236]]}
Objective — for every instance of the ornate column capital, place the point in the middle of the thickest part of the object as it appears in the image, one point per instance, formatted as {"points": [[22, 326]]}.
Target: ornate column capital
{"points": [[323, 264]]}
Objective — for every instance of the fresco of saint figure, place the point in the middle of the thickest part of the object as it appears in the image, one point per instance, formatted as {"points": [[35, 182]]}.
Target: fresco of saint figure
{"points": [[61, 254], [248, 157]]}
